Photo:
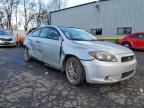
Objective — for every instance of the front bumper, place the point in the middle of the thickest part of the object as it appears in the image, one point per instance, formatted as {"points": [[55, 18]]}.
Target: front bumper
{"points": [[108, 72], [8, 44]]}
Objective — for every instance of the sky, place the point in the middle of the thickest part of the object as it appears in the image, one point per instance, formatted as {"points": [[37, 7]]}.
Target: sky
{"points": [[78, 2]]}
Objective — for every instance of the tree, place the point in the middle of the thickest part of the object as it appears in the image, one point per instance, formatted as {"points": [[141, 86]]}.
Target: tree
{"points": [[1, 18], [57, 4], [40, 13], [16, 13], [52, 6], [29, 12], [8, 6], [33, 12], [42, 16]]}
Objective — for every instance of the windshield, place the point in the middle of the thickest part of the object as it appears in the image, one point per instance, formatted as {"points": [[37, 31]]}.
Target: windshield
{"points": [[3, 32], [77, 34]]}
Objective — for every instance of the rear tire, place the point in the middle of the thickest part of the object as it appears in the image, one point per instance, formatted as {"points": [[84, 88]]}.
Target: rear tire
{"points": [[127, 44], [74, 71], [27, 57]]}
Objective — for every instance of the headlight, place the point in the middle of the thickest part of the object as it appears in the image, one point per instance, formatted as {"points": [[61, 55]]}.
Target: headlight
{"points": [[103, 56]]}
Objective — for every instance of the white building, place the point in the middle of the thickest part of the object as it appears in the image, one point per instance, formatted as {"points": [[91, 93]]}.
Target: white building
{"points": [[106, 18]]}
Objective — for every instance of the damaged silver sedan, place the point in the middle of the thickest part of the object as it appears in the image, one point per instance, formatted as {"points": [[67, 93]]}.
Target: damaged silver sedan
{"points": [[80, 55]]}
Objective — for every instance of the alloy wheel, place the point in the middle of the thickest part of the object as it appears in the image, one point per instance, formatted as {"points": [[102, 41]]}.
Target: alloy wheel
{"points": [[71, 70]]}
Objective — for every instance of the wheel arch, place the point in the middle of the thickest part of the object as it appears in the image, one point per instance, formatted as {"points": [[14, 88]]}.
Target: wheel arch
{"points": [[131, 43], [80, 66], [65, 60]]}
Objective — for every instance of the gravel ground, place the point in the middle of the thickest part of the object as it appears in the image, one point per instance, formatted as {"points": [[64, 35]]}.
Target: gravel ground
{"points": [[34, 85]]}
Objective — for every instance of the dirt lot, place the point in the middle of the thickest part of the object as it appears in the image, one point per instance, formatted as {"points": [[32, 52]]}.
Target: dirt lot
{"points": [[33, 85]]}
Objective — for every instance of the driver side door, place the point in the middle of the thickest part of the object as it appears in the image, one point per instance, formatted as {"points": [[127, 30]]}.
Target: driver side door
{"points": [[50, 45]]}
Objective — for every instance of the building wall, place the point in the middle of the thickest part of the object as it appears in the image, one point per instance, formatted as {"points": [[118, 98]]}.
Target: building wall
{"points": [[111, 15]]}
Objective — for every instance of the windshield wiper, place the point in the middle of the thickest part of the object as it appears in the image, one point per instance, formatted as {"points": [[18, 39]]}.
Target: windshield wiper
{"points": [[93, 40], [78, 39], [84, 40]]}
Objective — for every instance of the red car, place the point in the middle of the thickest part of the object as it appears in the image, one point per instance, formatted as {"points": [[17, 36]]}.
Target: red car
{"points": [[135, 40]]}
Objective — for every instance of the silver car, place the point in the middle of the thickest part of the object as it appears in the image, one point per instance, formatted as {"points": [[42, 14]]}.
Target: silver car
{"points": [[80, 55], [7, 38]]}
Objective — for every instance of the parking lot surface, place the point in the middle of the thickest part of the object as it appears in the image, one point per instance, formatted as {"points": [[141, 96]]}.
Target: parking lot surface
{"points": [[34, 85]]}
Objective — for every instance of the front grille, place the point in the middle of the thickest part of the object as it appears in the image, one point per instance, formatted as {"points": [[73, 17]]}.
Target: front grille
{"points": [[127, 58], [3, 39], [124, 75]]}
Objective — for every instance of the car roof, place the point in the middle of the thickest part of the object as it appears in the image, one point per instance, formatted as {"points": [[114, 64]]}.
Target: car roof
{"points": [[129, 35], [55, 26], [138, 33]]}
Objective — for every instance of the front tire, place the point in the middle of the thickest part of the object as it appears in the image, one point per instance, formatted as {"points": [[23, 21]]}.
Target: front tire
{"points": [[27, 57], [74, 71]]}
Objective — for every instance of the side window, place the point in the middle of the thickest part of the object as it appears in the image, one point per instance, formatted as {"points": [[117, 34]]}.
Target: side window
{"points": [[139, 36], [50, 33], [36, 33], [143, 35], [44, 33], [97, 31], [124, 30]]}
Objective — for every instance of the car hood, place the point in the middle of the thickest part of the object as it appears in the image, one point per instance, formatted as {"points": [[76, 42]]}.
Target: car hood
{"points": [[104, 46]]}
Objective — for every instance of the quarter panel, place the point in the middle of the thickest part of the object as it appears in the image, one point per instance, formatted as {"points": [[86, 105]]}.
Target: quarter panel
{"points": [[28, 44]]}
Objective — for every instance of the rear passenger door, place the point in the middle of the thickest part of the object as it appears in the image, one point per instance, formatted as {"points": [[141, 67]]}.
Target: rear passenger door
{"points": [[51, 44]]}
